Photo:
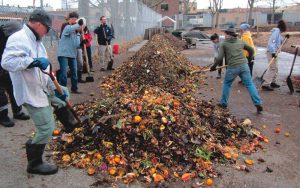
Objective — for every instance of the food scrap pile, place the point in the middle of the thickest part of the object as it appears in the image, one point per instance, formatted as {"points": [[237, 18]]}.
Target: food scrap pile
{"points": [[150, 127], [296, 81]]}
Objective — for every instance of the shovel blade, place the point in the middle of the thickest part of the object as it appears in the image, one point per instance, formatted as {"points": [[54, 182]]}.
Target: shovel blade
{"points": [[89, 79], [258, 81], [290, 84]]}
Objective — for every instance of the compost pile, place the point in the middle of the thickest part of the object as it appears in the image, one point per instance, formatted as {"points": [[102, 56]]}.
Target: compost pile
{"points": [[296, 81], [157, 64], [177, 43], [150, 127]]}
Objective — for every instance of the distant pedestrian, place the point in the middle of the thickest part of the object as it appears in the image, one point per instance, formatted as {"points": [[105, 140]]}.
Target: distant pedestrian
{"points": [[67, 51], [274, 43], [247, 38], [217, 40], [104, 35], [232, 49]]}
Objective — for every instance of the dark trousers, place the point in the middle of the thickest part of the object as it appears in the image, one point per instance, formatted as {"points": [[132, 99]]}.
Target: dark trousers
{"points": [[220, 70], [89, 54], [7, 87], [250, 64]]}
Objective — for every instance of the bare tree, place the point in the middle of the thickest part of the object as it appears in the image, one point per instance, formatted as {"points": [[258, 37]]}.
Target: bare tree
{"points": [[274, 6], [251, 5], [188, 5], [215, 6]]}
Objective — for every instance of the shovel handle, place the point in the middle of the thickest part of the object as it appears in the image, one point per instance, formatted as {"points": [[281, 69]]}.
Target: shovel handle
{"points": [[273, 58], [208, 69], [85, 53], [60, 91]]}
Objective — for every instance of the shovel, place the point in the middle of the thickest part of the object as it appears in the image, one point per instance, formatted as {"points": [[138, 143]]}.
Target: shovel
{"points": [[108, 47], [258, 81], [89, 78], [207, 69], [288, 79], [59, 90]]}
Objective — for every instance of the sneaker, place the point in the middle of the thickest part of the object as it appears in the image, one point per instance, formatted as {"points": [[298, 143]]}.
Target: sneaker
{"points": [[102, 69], [259, 109], [21, 116], [7, 122], [224, 106], [81, 81], [267, 88], [219, 76], [274, 85]]}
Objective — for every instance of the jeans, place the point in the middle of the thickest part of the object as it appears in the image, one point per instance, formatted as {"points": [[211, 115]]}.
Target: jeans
{"points": [[89, 54], [62, 78], [244, 73]]}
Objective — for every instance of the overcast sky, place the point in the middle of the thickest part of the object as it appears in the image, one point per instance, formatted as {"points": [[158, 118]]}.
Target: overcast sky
{"points": [[201, 3]]}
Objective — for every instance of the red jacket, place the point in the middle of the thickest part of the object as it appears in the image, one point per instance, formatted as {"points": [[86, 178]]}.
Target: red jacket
{"points": [[89, 38]]}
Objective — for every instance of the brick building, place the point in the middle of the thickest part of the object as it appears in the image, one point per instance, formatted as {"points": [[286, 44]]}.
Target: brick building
{"points": [[168, 8]]}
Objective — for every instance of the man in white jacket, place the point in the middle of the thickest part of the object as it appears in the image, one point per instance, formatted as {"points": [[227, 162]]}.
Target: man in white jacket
{"points": [[24, 57]]}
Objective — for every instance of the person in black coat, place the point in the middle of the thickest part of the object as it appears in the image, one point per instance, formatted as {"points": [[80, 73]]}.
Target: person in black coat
{"points": [[104, 35], [5, 82]]}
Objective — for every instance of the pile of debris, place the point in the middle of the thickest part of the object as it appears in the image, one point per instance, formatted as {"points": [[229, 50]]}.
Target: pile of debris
{"points": [[175, 42], [156, 64], [150, 127], [296, 81]]}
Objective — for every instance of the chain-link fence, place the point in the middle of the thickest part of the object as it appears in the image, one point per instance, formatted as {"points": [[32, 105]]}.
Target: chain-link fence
{"points": [[129, 19]]}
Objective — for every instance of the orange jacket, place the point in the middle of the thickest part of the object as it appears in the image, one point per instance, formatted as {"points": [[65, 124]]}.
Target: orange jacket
{"points": [[246, 37]]}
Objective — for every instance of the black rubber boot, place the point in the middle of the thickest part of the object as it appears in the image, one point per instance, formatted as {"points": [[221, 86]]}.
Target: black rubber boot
{"points": [[110, 65], [5, 120], [79, 75], [21, 116], [67, 118], [35, 160]]}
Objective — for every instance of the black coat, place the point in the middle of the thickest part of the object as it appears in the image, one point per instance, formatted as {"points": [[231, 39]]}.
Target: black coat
{"points": [[104, 34]]}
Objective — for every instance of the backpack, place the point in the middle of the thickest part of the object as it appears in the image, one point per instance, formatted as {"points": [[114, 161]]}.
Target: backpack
{"points": [[6, 30]]}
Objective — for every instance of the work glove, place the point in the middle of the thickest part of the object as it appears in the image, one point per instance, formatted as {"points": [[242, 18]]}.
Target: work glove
{"points": [[287, 36], [213, 68], [274, 55], [85, 41], [63, 96], [40, 62], [80, 22]]}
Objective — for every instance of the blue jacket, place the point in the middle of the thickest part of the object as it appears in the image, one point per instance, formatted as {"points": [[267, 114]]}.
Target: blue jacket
{"points": [[275, 40], [69, 42]]}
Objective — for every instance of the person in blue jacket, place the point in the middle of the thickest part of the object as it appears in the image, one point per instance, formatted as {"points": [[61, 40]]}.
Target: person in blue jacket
{"points": [[67, 51], [274, 43]]}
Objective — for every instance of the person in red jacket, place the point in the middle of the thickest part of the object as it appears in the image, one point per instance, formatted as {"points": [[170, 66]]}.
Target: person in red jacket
{"points": [[89, 38]]}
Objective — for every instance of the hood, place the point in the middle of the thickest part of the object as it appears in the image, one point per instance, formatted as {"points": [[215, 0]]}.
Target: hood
{"points": [[275, 30], [246, 34]]}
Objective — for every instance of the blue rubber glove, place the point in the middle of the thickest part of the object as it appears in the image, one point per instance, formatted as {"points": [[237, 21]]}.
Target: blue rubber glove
{"points": [[40, 62], [63, 97]]}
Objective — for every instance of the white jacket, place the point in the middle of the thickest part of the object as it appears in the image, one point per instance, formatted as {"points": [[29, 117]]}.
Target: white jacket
{"points": [[31, 86]]}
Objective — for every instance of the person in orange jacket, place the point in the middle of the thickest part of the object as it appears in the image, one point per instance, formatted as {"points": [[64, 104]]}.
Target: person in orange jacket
{"points": [[246, 37]]}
